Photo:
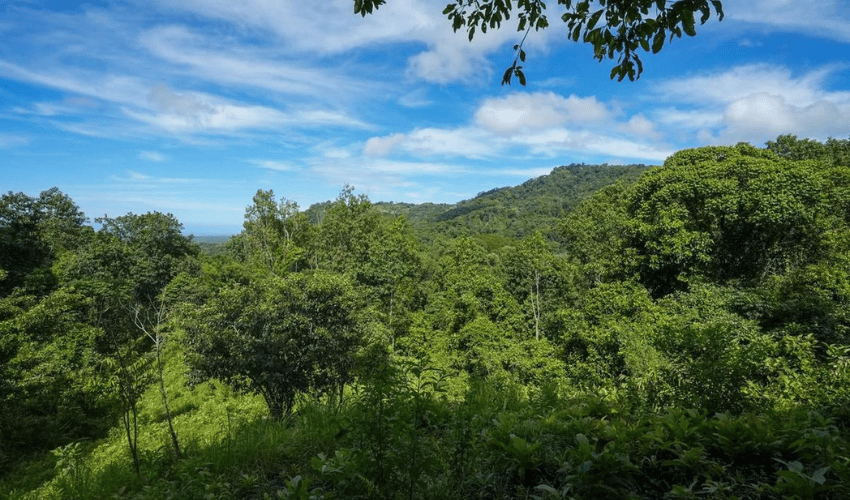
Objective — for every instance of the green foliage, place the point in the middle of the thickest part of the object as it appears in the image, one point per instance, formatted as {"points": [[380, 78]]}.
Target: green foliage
{"points": [[519, 211], [595, 236], [682, 336], [271, 232], [617, 29], [279, 337], [158, 251], [32, 232], [729, 213], [835, 151]]}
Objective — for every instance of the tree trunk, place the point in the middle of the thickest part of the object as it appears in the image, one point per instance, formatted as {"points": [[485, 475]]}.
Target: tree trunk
{"points": [[171, 430]]}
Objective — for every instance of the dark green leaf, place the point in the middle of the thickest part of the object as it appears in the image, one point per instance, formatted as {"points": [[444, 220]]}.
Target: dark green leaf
{"points": [[688, 24], [706, 13], [506, 78], [594, 19], [718, 7], [658, 42]]}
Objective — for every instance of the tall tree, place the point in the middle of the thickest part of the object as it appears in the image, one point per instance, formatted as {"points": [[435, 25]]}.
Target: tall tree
{"points": [[271, 231], [536, 278], [346, 233]]}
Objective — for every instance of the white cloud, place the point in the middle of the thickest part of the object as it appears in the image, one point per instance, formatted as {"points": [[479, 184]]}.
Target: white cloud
{"points": [[534, 111], [233, 63], [731, 84], [757, 102], [382, 146], [92, 84], [641, 126], [769, 113], [560, 141], [522, 126], [380, 177], [136, 176], [746, 42], [688, 118], [329, 29], [187, 106], [415, 99], [197, 112], [447, 63], [468, 142]]}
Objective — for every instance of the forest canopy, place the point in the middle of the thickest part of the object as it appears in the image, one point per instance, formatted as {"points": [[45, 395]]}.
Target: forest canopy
{"points": [[674, 331]]}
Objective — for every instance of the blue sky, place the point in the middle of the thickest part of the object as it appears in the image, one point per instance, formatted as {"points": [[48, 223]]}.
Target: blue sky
{"points": [[191, 106]]}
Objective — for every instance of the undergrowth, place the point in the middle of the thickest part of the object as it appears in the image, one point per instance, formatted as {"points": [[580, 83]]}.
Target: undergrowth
{"points": [[402, 437]]}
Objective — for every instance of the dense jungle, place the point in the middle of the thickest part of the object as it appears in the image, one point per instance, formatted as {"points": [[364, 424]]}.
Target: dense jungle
{"points": [[602, 332]]}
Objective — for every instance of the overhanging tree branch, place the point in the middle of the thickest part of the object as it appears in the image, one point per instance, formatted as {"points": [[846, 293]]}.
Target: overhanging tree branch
{"points": [[617, 29]]}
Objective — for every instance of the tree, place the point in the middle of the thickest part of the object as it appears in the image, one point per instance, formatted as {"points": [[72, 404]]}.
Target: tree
{"points": [[32, 232], [151, 322], [535, 278], [732, 213], [279, 337], [346, 232], [270, 231], [615, 29], [835, 151], [159, 250]]}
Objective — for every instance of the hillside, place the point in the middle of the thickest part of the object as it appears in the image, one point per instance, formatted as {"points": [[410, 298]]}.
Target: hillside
{"points": [[512, 212]]}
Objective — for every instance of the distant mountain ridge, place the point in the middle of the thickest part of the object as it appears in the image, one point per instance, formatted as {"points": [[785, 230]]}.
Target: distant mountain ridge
{"points": [[536, 204]]}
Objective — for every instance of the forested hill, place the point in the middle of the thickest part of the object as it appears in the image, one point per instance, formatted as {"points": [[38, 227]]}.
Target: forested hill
{"points": [[514, 212]]}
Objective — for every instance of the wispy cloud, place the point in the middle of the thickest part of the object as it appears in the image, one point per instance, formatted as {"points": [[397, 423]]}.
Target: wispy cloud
{"points": [[154, 156], [181, 81], [12, 140], [242, 65], [826, 18], [276, 165], [142, 179]]}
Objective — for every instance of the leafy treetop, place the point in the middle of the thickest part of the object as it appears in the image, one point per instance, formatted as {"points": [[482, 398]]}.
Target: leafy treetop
{"points": [[615, 28]]}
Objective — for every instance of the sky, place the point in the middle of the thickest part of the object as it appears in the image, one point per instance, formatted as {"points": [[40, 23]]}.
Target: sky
{"points": [[191, 106]]}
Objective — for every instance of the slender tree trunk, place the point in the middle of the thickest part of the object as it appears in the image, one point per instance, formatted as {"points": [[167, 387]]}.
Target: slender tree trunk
{"points": [[157, 337], [132, 430], [171, 430], [535, 304], [392, 332]]}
